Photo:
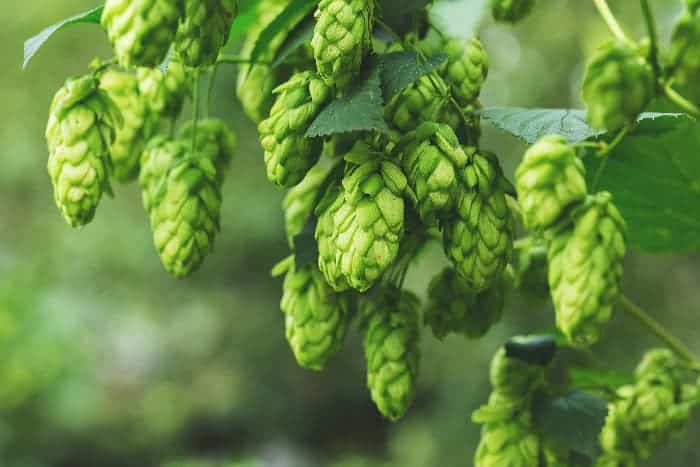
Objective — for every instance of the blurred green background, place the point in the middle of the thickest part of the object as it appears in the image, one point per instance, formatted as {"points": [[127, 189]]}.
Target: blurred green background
{"points": [[107, 361]]}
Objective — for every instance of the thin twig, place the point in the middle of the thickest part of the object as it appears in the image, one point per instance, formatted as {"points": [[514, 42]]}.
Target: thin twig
{"points": [[605, 152], [653, 37], [610, 20], [681, 101]]}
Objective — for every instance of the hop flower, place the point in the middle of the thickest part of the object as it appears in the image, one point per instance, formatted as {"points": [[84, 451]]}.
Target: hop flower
{"points": [[288, 153], [510, 442], [204, 30], [141, 31], [585, 268], [453, 307], [391, 338], [328, 210], [685, 55], [79, 133], [164, 92], [342, 37], [135, 130], [511, 11], [316, 318], [466, 68], [478, 237], [513, 378], [617, 85], [549, 180], [214, 139], [431, 158], [301, 199]]}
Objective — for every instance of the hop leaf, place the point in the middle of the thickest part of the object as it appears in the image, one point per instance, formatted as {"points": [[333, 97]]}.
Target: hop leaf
{"points": [[585, 268], [466, 69], [391, 338], [617, 86], [454, 307], [685, 55], [164, 92], [204, 30], [141, 31], [549, 180], [511, 11], [79, 133], [478, 237], [288, 153], [342, 37]]}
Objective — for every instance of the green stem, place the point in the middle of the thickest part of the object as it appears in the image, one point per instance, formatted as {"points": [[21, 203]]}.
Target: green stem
{"points": [[659, 331], [195, 109], [610, 20], [681, 101], [653, 37]]}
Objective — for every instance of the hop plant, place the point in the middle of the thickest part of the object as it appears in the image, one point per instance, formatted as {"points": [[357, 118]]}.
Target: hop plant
{"points": [[585, 268], [288, 153], [478, 237], [316, 317], [79, 133], [466, 68], [685, 55], [549, 180], [141, 31], [454, 307], [300, 200], [508, 443], [342, 37], [511, 11], [617, 86], [391, 338], [164, 92], [135, 129], [204, 30]]}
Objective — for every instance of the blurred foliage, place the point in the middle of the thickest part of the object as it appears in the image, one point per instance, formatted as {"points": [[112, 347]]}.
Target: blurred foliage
{"points": [[106, 361]]}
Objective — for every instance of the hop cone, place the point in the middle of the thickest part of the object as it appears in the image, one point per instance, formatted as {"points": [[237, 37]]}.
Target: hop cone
{"points": [[391, 338], [214, 139], [79, 133], [342, 37], [288, 153], [431, 160], [135, 130], [141, 31], [513, 378], [164, 92], [358, 234], [204, 30], [508, 443], [301, 199], [685, 55], [585, 268], [466, 68], [617, 85], [549, 180], [478, 237], [328, 210], [511, 11], [453, 307]]}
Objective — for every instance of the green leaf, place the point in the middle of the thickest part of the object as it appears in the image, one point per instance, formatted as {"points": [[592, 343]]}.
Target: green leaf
{"points": [[305, 245], [244, 20], [537, 350], [574, 420], [300, 35], [588, 378], [361, 108], [655, 181], [399, 69], [400, 14], [457, 18], [292, 14], [32, 45]]}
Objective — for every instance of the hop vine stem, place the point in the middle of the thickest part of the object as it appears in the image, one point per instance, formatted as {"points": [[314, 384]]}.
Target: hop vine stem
{"points": [[611, 21], [681, 101], [653, 37]]}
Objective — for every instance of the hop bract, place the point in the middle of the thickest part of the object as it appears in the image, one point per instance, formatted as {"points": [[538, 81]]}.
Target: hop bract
{"points": [[164, 92], [685, 55], [466, 68], [204, 30], [549, 180], [511, 11], [79, 133]]}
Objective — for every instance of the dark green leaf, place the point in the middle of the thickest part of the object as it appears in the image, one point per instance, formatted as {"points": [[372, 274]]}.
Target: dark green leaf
{"points": [[537, 350], [292, 14], [244, 20], [589, 378], [457, 18], [399, 14], [655, 181], [361, 108], [298, 36], [573, 420], [399, 69], [305, 246], [32, 45]]}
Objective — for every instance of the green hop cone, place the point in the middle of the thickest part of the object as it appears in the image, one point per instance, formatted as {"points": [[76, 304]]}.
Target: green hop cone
{"points": [[327, 211], [213, 138], [549, 180], [685, 55], [432, 158], [141, 31], [79, 133], [585, 268], [510, 442], [511, 11], [514, 378], [164, 92], [478, 237], [453, 307], [316, 317], [617, 86], [341, 39], [289, 154], [135, 130], [204, 30], [466, 68], [391, 345]]}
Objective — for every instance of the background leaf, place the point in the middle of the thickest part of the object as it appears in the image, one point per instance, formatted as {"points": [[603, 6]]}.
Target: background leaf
{"points": [[297, 37], [591, 378], [305, 246], [458, 18], [400, 14], [32, 45], [294, 12], [399, 69], [248, 15]]}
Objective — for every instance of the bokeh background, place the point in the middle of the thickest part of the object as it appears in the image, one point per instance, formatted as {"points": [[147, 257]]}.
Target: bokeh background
{"points": [[107, 361]]}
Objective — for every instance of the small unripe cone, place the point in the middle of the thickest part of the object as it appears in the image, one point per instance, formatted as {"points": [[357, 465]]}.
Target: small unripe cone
{"points": [[549, 180], [316, 317], [466, 68], [685, 55], [391, 345], [514, 378], [289, 154], [341, 39], [511, 442], [141, 31], [511, 11], [478, 238], [617, 86], [164, 92], [692, 5], [300, 200], [79, 133], [585, 268], [454, 307], [204, 30]]}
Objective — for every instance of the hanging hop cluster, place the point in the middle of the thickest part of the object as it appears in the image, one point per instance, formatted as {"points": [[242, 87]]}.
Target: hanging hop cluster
{"points": [[204, 30]]}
